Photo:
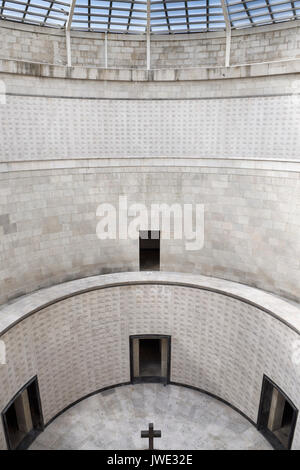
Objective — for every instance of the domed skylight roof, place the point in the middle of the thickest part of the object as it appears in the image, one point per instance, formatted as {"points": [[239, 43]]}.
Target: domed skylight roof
{"points": [[166, 16]]}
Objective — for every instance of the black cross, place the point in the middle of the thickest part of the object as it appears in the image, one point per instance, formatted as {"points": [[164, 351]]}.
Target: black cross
{"points": [[151, 434]]}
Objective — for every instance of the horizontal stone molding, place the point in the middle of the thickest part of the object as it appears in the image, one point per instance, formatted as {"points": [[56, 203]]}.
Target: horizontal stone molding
{"points": [[36, 69], [155, 164], [285, 311]]}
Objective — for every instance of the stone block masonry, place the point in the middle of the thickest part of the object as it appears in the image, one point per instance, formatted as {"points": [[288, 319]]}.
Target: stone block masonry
{"points": [[47, 45], [252, 223], [69, 145]]}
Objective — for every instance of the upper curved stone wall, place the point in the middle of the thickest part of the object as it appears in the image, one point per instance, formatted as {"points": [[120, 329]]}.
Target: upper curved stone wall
{"points": [[249, 112], [46, 45]]}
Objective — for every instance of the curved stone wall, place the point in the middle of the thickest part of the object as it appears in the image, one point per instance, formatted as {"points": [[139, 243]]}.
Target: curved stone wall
{"points": [[234, 112], [47, 45], [48, 222], [258, 127], [69, 144], [75, 337]]}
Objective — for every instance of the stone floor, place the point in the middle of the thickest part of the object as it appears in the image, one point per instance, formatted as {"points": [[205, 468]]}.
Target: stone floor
{"points": [[114, 419]]}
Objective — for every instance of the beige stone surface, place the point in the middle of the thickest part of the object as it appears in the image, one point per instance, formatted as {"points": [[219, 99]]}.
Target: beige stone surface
{"points": [[100, 128], [220, 343], [114, 419], [260, 44], [49, 222], [231, 144]]}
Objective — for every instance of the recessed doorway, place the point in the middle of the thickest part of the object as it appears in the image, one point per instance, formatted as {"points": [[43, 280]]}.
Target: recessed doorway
{"points": [[150, 358], [22, 418], [149, 242], [277, 416]]}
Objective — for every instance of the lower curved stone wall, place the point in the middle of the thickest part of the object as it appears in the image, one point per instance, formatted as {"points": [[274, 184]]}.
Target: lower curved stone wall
{"points": [[220, 344]]}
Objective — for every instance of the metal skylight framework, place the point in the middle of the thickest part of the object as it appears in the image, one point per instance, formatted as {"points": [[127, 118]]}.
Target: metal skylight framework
{"points": [[166, 16]]}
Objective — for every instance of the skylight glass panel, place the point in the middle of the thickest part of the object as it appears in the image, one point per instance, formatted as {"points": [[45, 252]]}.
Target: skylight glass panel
{"points": [[136, 28], [197, 26], [34, 10], [79, 25], [234, 8], [261, 11], [173, 15], [213, 25], [157, 6], [37, 19], [176, 13], [118, 27], [198, 12], [119, 4], [16, 14], [121, 12], [282, 6], [238, 16], [241, 23], [266, 18], [197, 19], [98, 19], [81, 18], [201, 3], [255, 4], [119, 20], [160, 29], [282, 15], [159, 22], [14, 5], [136, 21], [177, 28], [176, 20], [172, 5]]}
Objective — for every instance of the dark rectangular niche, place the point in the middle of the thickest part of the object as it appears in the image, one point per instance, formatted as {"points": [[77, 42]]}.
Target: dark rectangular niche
{"points": [[22, 418], [277, 416], [149, 246], [150, 357]]}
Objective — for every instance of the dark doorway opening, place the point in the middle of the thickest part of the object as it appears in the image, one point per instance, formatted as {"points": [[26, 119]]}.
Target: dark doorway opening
{"points": [[22, 418], [149, 250], [277, 415], [150, 358]]}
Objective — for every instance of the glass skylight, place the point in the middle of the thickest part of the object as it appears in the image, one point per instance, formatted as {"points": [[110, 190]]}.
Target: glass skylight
{"points": [[166, 16]]}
